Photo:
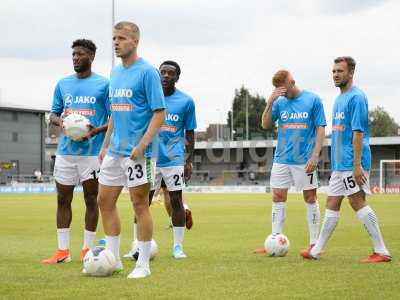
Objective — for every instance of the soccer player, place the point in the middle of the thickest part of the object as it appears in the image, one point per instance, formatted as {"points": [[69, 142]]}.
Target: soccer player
{"points": [[351, 163], [137, 112], [84, 93], [301, 130], [172, 168]]}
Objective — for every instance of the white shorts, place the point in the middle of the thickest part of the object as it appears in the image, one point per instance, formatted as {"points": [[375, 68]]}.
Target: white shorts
{"points": [[342, 183], [173, 178], [283, 176], [72, 169], [122, 171]]}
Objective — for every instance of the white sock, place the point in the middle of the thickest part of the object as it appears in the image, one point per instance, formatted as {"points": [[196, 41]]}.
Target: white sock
{"points": [[278, 217], [134, 231], [144, 254], [88, 239], [313, 219], [179, 234], [112, 244], [328, 226], [368, 217], [63, 238], [185, 206]]}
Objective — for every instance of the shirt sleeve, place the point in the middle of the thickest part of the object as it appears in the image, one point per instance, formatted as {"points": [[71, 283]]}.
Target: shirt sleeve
{"points": [[275, 111], [319, 113], [153, 89], [190, 118], [358, 112], [58, 102]]}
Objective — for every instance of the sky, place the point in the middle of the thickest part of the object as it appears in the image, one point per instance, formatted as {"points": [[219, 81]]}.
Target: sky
{"points": [[220, 46]]}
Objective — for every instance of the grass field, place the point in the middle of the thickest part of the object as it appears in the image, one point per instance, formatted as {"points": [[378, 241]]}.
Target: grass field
{"points": [[220, 265]]}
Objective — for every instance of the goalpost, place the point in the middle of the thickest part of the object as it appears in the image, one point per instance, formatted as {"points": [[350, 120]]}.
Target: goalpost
{"points": [[389, 176]]}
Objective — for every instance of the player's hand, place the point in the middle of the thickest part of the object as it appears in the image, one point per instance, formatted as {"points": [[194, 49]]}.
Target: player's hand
{"points": [[137, 151], [188, 169], [102, 154], [312, 164], [91, 133], [280, 91], [359, 175]]}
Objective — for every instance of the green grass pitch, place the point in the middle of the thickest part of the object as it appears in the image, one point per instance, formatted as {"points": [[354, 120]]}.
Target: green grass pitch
{"points": [[220, 263]]}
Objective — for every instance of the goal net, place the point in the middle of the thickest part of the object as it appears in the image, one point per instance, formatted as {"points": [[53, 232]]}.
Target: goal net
{"points": [[389, 176]]}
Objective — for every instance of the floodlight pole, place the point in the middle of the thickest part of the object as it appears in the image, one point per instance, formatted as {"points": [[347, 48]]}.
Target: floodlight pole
{"points": [[112, 28], [247, 116]]}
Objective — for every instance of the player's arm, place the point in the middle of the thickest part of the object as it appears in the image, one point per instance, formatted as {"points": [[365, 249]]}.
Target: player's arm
{"points": [[57, 107], [266, 119], [106, 141], [55, 119], [95, 130], [358, 172], [314, 159], [189, 136], [155, 123]]}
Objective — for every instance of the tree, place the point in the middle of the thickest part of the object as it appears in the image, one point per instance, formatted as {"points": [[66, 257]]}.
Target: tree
{"points": [[256, 107], [381, 123]]}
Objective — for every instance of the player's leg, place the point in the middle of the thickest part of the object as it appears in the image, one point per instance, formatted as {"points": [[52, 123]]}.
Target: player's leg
{"points": [[112, 178], [140, 178], [167, 204], [370, 221], [188, 213], [331, 218], [65, 173], [308, 183], [173, 177], [90, 191]]}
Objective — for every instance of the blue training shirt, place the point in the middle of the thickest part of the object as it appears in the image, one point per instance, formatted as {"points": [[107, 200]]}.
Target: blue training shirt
{"points": [[350, 113], [88, 97], [298, 119], [181, 116], [135, 93]]}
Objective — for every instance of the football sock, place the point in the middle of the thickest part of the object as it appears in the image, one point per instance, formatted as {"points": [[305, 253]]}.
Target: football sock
{"points": [[88, 238], [144, 253], [112, 244], [328, 226], [63, 238], [179, 233], [313, 219], [278, 217], [368, 217]]}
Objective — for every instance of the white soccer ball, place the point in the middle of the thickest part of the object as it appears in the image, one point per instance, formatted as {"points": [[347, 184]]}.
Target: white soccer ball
{"points": [[99, 262], [153, 250], [277, 245], [76, 126]]}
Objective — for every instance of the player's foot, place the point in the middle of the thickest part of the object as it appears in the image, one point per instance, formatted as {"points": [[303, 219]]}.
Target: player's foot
{"points": [[139, 272], [306, 253], [178, 252], [260, 251], [83, 252], [60, 256], [119, 267], [189, 218], [133, 254], [377, 258]]}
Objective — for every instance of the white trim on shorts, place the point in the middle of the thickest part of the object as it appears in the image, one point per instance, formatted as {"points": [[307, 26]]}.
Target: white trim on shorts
{"points": [[122, 171], [283, 176], [173, 178], [72, 169], [342, 183]]}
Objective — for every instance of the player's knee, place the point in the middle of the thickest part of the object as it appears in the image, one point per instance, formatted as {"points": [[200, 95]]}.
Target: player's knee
{"points": [[278, 196], [104, 203], [176, 202], [140, 207], [64, 200]]}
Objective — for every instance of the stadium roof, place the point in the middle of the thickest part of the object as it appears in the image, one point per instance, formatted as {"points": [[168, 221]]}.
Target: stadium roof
{"points": [[374, 141]]}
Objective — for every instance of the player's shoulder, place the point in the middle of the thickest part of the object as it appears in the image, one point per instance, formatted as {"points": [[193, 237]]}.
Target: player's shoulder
{"points": [[67, 79], [312, 96], [357, 95], [100, 78], [184, 96], [146, 67]]}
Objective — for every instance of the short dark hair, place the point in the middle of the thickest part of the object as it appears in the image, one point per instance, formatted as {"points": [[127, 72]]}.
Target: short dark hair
{"points": [[174, 64], [88, 44], [351, 63]]}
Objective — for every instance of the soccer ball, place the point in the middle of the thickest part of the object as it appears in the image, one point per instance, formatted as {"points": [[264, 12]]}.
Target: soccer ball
{"points": [[277, 245], [99, 262], [153, 250], [76, 126]]}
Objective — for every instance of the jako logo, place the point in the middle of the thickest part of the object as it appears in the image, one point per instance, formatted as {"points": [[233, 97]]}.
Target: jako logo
{"points": [[339, 115], [284, 115], [68, 99], [172, 117]]}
